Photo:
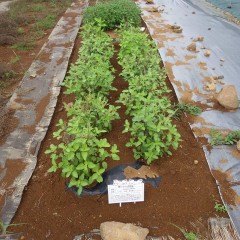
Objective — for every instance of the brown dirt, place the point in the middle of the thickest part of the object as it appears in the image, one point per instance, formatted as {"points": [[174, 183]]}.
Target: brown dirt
{"points": [[184, 195]]}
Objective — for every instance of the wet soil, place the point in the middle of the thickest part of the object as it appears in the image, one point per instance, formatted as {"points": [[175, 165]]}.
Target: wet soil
{"points": [[185, 194]]}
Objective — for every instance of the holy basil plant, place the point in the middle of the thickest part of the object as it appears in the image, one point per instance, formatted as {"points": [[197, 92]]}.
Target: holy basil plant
{"points": [[152, 132], [82, 153]]}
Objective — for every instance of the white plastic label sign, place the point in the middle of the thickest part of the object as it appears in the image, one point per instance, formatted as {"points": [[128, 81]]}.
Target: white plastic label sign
{"points": [[126, 191]]}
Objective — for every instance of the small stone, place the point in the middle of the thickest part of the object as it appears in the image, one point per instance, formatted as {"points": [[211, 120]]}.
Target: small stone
{"points": [[179, 30], [195, 162], [221, 77], [175, 26], [222, 59], [149, 1], [122, 231], [153, 9], [209, 29], [222, 82], [238, 145], [33, 75], [193, 13], [199, 39], [228, 98], [100, 215], [211, 87], [192, 47], [207, 53], [142, 29]]}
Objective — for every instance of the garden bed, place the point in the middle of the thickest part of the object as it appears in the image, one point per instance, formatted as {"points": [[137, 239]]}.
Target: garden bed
{"points": [[187, 191]]}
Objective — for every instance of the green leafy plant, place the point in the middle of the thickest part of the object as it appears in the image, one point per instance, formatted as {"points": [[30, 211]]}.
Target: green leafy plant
{"points": [[219, 139], [82, 156], [151, 128], [220, 207], [186, 107], [82, 152], [92, 72], [114, 13], [187, 235]]}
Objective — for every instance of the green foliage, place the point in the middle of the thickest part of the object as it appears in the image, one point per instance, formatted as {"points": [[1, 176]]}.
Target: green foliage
{"points": [[37, 7], [218, 139], [82, 151], [186, 107], [20, 31], [151, 128], [220, 207], [46, 23], [92, 72], [114, 13], [24, 46], [187, 235]]}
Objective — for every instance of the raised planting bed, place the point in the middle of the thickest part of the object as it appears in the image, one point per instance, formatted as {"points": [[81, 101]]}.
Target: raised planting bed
{"points": [[187, 191]]}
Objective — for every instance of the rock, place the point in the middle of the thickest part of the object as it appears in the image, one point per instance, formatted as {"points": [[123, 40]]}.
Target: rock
{"points": [[211, 87], [149, 1], [177, 30], [222, 59], [153, 9], [175, 26], [195, 162], [207, 53], [221, 77], [122, 231], [228, 98], [192, 47], [238, 145], [199, 39]]}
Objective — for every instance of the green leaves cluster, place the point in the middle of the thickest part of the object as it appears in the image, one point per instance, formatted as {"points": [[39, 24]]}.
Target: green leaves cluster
{"points": [[219, 139], [151, 128], [92, 72], [186, 107], [114, 13], [82, 151], [220, 207]]}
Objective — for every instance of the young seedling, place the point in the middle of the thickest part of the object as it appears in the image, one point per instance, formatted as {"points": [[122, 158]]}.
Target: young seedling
{"points": [[186, 107], [218, 139], [187, 235], [220, 207]]}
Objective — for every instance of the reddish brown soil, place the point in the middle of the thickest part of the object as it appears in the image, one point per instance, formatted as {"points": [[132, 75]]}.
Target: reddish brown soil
{"points": [[185, 193]]}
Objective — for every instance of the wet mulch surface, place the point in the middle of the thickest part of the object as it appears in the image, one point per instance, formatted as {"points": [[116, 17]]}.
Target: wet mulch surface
{"points": [[185, 194]]}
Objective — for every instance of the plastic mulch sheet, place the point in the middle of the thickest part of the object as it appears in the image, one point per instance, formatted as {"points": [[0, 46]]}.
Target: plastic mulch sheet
{"points": [[194, 77], [116, 173]]}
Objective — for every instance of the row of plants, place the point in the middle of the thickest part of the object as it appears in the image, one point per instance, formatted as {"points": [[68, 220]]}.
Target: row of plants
{"points": [[152, 132], [113, 13], [82, 151]]}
